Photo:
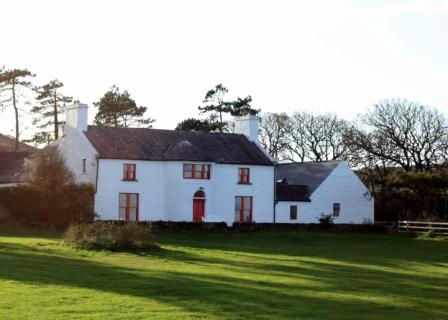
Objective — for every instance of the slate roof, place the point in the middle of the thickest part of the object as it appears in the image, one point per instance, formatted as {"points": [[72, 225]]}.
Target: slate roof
{"points": [[8, 143], [174, 145], [12, 166], [298, 181]]}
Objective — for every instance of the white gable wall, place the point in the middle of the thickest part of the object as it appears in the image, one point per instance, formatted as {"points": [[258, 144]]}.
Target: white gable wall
{"points": [[74, 146], [165, 195], [341, 186]]}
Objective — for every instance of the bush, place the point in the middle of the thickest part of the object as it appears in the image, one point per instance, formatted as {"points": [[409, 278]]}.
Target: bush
{"points": [[109, 236], [34, 206], [326, 220]]}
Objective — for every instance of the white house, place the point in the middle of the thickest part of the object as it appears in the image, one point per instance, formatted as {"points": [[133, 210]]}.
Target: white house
{"points": [[306, 190], [150, 174]]}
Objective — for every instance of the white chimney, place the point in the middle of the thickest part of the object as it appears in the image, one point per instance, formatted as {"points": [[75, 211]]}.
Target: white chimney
{"points": [[76, 116], [247, 125]]}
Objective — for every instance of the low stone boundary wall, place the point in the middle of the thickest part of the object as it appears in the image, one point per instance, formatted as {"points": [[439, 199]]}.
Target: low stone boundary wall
{"points": [[249, 227]]}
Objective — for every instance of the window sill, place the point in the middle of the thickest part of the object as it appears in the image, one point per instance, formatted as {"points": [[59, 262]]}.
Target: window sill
{"points": [[128, 180], [245, 183]]}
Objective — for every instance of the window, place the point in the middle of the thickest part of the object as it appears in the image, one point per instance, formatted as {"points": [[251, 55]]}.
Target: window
{"points": [[336, 209], [243, 175], [196, 171], [129, 172], [84, 166], [293, 212], [128, 207], [243, 209]]}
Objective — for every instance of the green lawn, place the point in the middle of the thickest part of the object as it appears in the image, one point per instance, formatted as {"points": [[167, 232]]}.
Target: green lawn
{"points": [[266, 275]]}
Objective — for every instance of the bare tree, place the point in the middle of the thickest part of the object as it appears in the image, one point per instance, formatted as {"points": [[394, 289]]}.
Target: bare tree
{"points": [[315, 137], [274, 131], [401, 133]]}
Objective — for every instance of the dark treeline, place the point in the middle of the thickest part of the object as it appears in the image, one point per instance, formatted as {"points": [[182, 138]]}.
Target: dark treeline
{"points": [[399, 149]]}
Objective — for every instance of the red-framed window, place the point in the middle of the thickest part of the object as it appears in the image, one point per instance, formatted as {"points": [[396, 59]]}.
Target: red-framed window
{"points": [[128, 207], [196, 171], [129, 173], [84, 165], [243, 209], [243, 175], [293, 212], [336, 209]]}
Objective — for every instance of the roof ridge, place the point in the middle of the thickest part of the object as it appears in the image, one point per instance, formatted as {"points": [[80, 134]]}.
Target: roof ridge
{"points": [[170, 130], [310, 162]]}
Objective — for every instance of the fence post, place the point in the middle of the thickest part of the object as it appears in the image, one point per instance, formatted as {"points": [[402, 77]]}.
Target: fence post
{"points": [[407, 226]]}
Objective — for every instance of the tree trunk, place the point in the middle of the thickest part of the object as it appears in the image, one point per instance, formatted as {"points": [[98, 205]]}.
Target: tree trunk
{"points": [[16, 111], [55, 110], [220, 119]]}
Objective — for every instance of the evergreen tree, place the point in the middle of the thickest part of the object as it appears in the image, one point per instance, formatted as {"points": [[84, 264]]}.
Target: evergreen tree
{"points": [[214, 102], [192, 124], [51, 104], [118, 109], [242, 107], [13, 85]]}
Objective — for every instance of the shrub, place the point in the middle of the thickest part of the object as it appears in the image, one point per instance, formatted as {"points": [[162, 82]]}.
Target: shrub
{"points": [[50, 198], [109, 236], [326, 219], [34, 206]]}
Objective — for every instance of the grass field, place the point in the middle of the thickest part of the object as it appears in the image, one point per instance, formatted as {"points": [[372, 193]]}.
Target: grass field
{"points": [[266, 275]]}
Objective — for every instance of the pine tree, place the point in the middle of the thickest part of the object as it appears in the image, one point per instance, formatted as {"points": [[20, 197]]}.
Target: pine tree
{"points": [[13, 85], [242, 107], [118, 109], [214, 102], [51, 105]]}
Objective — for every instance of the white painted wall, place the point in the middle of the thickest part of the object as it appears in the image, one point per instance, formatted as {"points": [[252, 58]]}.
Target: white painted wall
{"points": [[165, 195], [74, 146], [342, 186]]}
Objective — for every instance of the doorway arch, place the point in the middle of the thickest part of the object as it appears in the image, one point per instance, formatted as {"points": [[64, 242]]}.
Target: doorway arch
{"points": [[198, 206]]}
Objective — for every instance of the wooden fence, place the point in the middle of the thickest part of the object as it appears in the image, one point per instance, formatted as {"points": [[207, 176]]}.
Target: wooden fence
{"points": [[422, 227]]}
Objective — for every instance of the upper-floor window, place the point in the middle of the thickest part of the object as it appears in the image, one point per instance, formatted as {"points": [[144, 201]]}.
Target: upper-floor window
{"points": [[293, 212], [336, 209], [129, 171], [196, 171], [243, 175], [84, 165]]}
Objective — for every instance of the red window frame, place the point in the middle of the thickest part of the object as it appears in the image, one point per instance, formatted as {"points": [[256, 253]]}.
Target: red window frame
{"points": [[129, 172], [127, 207], [243, 175], [242, 208], [204, 172], [336, 209], [293, 212]]}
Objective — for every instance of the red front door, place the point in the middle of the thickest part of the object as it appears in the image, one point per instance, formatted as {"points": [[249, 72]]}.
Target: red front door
{"points": [[198, 210]]}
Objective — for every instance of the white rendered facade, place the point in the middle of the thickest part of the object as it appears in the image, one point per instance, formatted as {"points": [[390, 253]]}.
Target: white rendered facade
{"points": [[342, 186]]}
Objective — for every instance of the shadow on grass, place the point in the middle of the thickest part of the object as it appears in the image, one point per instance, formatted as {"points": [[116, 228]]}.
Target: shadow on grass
{"points": [[257, 288]]}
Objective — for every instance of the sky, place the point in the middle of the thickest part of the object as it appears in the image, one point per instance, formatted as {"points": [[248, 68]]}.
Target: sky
{"points": [[321, 56]]}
